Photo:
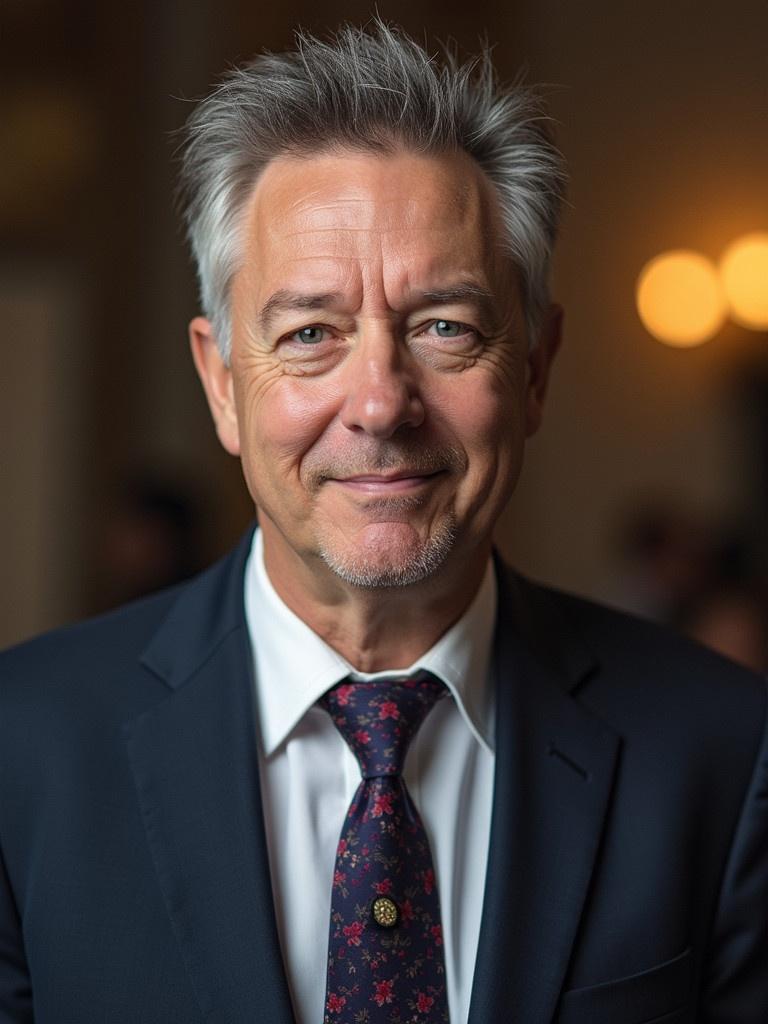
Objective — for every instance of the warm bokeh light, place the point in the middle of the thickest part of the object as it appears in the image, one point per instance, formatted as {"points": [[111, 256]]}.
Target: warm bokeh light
{"points": [[680, 298], [744, 273]]}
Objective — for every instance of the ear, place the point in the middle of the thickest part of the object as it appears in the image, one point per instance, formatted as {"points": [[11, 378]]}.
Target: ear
{"points": [[539, 363], [216, 378]]}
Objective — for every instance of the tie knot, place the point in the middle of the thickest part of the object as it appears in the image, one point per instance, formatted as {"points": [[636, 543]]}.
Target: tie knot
{"points": [[379, 719]]}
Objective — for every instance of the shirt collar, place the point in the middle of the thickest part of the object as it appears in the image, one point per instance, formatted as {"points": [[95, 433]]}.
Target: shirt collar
{"points": [[294, 666]]}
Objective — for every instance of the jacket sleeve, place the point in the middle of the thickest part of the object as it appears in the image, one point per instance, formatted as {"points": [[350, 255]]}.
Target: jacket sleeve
{"points": [[15, 988], [735, 984]]}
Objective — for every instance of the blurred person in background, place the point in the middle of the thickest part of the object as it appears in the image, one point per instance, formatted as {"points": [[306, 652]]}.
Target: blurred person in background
{"points": [[665, 555], [151, 539], [729, 610], [731, 619], [701, 578], [207, 813]]}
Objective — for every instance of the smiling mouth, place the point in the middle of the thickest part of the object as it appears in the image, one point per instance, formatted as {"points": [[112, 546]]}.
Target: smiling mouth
{"points": [[386, 483]]}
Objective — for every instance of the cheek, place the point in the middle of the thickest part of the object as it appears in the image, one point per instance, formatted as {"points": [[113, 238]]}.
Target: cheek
{"points": [[283, 419], [492, 404], [489, 423]]}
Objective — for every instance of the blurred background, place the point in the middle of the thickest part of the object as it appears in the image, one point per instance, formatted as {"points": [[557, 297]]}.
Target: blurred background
{"points": [[648, 484]]}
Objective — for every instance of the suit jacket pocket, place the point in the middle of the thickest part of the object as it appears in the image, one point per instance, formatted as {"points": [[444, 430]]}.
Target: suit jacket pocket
{"points": [[642, 998]]}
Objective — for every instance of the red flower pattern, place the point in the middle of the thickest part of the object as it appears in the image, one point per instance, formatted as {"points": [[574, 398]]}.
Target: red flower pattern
{"points": [[335, 1003], [424, 1003], [383, 992], [388, 710], [353, 932], [382, 804]]}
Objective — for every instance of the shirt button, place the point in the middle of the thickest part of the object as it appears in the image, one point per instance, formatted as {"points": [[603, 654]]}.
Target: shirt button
{"points": [[385, 912]]}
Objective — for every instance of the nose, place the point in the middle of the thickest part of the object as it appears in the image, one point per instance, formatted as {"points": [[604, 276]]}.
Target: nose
{"points": [[381, 390]]}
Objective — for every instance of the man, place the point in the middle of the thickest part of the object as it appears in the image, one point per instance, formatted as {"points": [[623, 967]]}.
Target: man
{"points": [[206, 812]]}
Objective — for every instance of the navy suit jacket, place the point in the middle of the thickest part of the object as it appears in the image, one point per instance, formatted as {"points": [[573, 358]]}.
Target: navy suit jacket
{"points": [[628, 868]]}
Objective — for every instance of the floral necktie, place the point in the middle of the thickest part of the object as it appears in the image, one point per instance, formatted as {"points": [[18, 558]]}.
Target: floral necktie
{"points": [[385, 947]]}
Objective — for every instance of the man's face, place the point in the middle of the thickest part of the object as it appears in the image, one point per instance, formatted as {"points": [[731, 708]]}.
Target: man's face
{"points": [[380, 387]]}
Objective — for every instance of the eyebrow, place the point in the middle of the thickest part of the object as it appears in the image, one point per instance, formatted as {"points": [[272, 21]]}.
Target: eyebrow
{"points": [[285, 301], [481, 297]]}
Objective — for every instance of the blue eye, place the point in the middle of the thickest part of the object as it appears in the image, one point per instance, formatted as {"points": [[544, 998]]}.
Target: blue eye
{"points": [[449, 328], [309, 335]]}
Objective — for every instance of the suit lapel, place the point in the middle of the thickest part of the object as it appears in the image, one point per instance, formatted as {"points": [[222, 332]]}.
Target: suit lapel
{"points": [[194, 760], [554, 774]]}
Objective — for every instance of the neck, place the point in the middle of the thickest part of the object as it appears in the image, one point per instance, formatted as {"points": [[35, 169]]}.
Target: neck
{"points": [[376, 629]]}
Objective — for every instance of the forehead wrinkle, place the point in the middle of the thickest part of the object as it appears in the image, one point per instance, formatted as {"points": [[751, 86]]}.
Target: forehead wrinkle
{"points": [[427, 270], [355, 232], [378, 212], [335, 230], [309, 213]]}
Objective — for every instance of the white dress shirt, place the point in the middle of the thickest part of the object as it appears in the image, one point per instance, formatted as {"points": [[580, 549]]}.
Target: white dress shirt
{"points": [[309, 775]]}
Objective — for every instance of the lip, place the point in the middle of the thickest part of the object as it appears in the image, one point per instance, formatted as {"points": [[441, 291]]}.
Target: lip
{"points": [[386, 483]]}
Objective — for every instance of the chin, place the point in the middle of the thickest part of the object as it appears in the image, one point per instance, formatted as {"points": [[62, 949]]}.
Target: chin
{"points": [[389, 555]]}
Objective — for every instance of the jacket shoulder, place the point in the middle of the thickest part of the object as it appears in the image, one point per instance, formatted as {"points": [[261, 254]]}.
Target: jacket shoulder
{"points": [[619, 636], [623, 659], [95, 647], [102, 646]]}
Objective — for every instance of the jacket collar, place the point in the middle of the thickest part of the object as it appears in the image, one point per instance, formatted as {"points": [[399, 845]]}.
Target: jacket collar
{"points": [[209, 609], [541, 626]]}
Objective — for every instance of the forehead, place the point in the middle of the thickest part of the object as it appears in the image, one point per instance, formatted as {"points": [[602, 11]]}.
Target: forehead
{"points": [[326, 219]]}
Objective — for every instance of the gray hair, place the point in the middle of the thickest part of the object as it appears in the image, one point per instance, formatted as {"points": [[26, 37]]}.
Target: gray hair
{"points": [[372, 89]]}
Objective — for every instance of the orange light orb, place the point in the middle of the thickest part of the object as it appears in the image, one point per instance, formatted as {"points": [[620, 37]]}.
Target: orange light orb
{"points": [[680, 299], [744, 273]]}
